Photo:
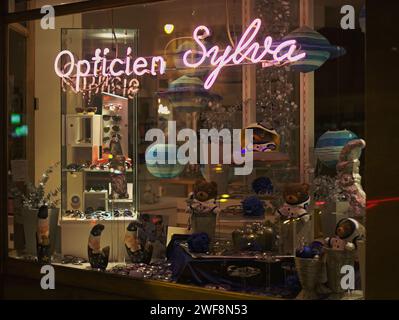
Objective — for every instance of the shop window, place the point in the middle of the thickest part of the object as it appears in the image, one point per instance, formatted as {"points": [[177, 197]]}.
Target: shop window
{"points": [[121, 90]]}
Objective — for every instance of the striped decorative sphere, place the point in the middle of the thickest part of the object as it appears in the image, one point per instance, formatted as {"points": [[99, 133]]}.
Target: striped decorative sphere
{"points": [[164, 169], [330, 144], [317, 48], [187, 94]]}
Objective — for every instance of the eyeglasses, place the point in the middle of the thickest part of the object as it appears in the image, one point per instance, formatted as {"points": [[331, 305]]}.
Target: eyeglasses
{"points": [[73, 259], [124, 213], [91, 109], [113, 107], [75, 214], [74, 167], [114, 118], [113, 136], [116, 128]]}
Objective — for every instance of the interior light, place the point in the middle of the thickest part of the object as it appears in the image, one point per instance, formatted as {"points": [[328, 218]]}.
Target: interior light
{"points": [[15, 118], [168, 28], [223, 200], [225, 195], [21, 131]]}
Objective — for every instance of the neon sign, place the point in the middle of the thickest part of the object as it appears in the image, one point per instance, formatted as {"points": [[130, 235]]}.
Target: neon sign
{"points": [[246, 49], [83, 74]]}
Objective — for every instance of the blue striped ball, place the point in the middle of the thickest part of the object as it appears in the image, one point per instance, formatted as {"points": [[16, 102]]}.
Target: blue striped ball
{"points": [[330, 144], [317, 48], [163, 170]]}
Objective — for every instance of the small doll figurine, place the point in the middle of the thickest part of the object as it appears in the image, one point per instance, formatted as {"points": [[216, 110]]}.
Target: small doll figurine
{"points": [[98, 257], [297, 199], [347, 232], [203, 198], [42, 236]]}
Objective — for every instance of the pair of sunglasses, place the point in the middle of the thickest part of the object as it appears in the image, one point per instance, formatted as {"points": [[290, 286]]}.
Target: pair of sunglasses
{"points": [[74, 213], [115, 135], [88, 109], [113, 107], [73, 259], [125, 213], [114, 118], [115, 128]]}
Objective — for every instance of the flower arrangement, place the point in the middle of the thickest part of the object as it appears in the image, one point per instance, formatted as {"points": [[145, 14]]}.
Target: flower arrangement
{"points": [[35, 197]]}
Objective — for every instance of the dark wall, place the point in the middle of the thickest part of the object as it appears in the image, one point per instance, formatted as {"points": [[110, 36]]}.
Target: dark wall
{"points": [[382, 170]]}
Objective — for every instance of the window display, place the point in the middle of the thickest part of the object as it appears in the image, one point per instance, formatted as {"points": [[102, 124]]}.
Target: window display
{"points": [[204, 151]]}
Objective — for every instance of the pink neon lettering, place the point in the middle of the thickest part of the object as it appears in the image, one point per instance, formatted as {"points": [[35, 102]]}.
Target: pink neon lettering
{"points": [[197, 39], [79, 72], [244, 42], [58, 70], [245, 50], [104, 67], [97, 60], [112, 66], [140, 63], [128, 71]]}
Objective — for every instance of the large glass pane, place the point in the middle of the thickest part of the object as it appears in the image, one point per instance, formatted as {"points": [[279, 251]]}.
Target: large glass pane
{"points": [[211, 143]]}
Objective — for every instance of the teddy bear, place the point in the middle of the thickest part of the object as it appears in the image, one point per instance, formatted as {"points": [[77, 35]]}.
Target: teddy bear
{"points": [[203, 198], [296, 201], [347, 232]]}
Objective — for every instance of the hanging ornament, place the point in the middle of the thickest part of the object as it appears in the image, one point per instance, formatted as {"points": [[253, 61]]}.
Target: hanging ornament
{"points": [[330, 144], [187, 94], [160, 153], [317, 48]]}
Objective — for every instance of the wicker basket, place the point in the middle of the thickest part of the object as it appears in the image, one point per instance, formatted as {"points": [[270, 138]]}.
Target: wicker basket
{"points": [[310, 275], [335, 260], [204, 223]]}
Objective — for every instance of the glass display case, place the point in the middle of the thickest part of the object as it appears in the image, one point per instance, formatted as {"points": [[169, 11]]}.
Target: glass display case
{"points": [[98, 153]]}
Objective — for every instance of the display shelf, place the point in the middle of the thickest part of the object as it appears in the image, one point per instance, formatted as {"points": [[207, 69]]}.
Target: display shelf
{"points": [[92, 170], [66, 219], [271, 156], [96, 192], [120, 200]]}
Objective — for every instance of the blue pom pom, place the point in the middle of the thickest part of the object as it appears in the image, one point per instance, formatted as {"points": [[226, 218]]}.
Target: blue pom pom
{"points": [[305, 252], [198, 242], [317, 248], [253, 207], [262, 185]]}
